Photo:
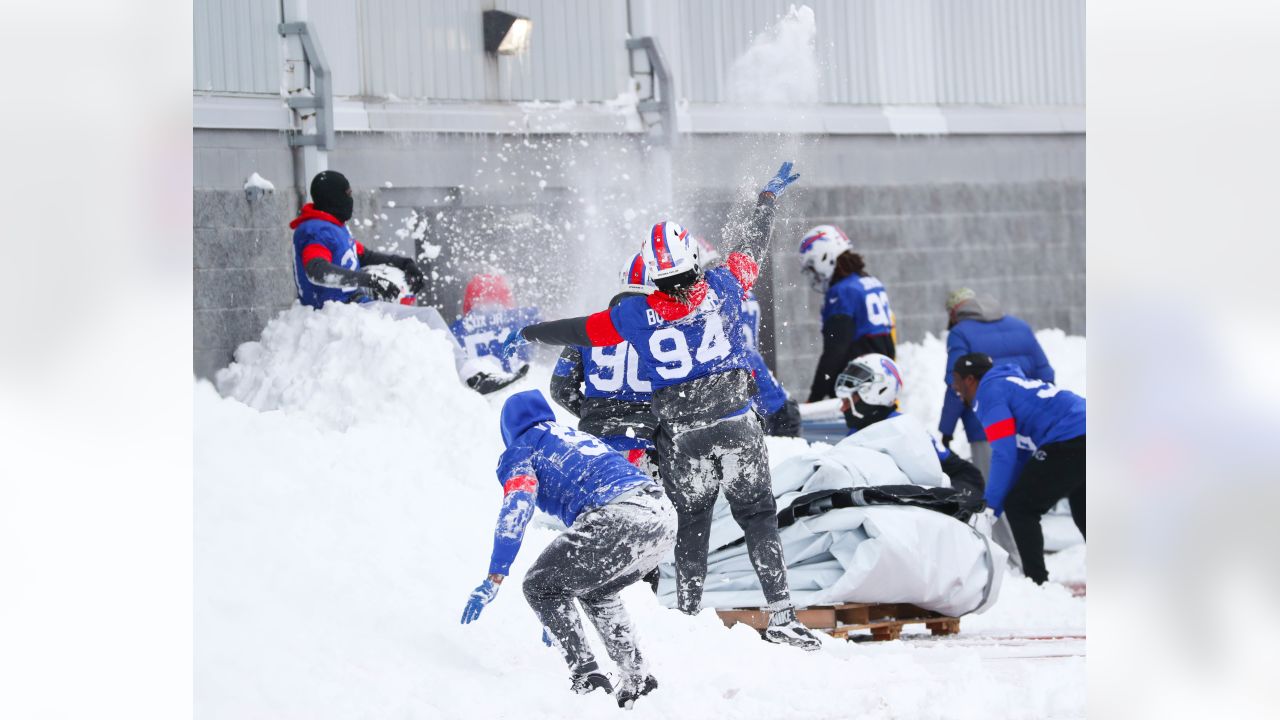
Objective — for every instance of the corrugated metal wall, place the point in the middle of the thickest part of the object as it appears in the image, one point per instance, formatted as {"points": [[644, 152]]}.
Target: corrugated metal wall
{"points": [[237, 48], [872, 52], [897, 52]]}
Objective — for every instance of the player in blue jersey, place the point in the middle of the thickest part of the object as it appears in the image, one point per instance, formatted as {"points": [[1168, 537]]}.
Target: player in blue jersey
{"points": [[856, 317], [619, 526], [489, 315], [868, 389], [779, 412], [603, 388], [976, 324], [328, 261], [688, 336], [1037, 436]]}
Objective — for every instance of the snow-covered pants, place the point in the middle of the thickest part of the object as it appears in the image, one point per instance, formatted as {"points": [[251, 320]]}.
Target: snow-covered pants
{"points": [[606, 549], [697, 463]]}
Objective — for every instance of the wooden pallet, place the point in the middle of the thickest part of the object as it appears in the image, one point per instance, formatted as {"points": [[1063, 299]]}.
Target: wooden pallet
{"points": [[884, 620]]}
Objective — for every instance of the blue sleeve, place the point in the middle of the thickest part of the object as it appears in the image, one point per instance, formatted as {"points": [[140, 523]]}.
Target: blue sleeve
{"points": [[1043, 370], [952, 409], [771, 397], [993, 410], [520, 490]]}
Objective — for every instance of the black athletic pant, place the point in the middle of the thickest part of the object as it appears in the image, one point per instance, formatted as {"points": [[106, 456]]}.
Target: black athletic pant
{"points": [[697, 464], [605, 550], [1054, 472]]}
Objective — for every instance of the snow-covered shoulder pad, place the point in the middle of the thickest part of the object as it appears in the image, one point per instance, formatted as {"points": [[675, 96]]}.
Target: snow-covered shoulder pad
{"points": [[745, 269]]}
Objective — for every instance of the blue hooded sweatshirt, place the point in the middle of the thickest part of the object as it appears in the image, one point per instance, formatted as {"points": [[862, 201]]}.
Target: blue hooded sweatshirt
{"points": [[981, 327], [1020, 415], [555, 468]]}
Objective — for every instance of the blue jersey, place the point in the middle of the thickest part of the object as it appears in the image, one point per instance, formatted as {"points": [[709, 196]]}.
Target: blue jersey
{"points": [[771, 397], [707, 341], [481, 334], [559, 470], [613, 371], [1019, 416], [862, 298], [319, 234], [1008, 340]]}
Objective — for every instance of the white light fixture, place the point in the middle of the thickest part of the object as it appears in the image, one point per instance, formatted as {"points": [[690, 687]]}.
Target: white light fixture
{"points": [[506, 33]]}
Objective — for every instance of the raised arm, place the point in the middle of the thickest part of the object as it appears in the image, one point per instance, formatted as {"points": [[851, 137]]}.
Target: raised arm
{"points": [[753, 240]]}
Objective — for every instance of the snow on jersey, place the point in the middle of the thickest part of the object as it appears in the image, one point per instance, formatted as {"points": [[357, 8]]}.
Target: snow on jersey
{"points": [[1019, 416], [862, 298], [319, 236], [614, 371], [481, 334], [707, 341]]}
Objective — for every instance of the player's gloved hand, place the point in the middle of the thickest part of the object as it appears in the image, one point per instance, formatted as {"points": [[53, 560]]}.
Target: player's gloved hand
{"points": [[513, 343], [413, 276], [379, 287], [546, 637], [946, 441], [781, 180], [481, 596]]}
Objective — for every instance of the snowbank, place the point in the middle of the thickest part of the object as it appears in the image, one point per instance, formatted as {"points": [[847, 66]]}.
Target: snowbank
{"points": [[344, 501]]}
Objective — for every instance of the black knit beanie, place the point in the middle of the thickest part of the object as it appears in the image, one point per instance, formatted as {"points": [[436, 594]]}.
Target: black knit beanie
{"points": [[331, 193]]}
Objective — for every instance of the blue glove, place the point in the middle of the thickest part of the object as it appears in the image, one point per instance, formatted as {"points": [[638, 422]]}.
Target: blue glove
{"points": [[512, 344], [781, 180], [546, 637], [481, 596]]}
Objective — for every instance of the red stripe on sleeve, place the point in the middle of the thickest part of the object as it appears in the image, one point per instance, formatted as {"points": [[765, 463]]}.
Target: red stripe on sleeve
{"points": [[600, 329], [1000, 430], [743, 268], [359, 248], [521, 483], [635, 456], [313, 251]]}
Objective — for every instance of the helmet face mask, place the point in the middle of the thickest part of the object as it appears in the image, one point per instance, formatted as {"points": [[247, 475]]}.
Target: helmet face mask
{"points": [[815, 278], [874, 378]]}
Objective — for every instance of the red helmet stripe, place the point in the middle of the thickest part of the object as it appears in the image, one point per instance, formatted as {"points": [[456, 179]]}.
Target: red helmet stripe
{"points": [[636, 276], [661, 252]]}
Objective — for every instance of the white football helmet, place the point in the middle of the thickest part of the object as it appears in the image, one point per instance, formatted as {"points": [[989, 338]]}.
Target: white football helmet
{"points": [[635, 275], [704, 252], [669, 251], [818, 252], [873, 377]]}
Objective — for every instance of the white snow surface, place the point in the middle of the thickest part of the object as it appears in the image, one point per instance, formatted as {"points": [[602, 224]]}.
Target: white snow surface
{"points": [[257, 181], [780, 66], [345, 499]]}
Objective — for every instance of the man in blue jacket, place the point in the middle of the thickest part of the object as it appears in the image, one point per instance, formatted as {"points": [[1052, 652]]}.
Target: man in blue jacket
{"points": [[977, 324], [620, 524], [328, 262], [1037, 436]]}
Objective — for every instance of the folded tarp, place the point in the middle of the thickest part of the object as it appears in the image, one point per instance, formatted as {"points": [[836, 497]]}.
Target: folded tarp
{"points": [[860, 554]]}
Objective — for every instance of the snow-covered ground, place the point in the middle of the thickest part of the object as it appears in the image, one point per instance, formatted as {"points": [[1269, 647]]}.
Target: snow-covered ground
{"points": [[343, 511]]}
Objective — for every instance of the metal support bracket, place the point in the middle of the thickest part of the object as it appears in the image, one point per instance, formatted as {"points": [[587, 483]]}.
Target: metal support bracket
{"points": [[661, 83], [321, 98]]}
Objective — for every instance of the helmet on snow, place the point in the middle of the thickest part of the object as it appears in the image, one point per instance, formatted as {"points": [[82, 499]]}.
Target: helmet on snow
{"points": [[818, 252], [874, 378], [635, 275], [669, 255]]}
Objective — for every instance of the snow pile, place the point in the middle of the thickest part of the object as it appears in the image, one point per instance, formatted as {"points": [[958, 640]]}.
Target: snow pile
{"points": [[781, 65], [345, 363], [340, 526]]}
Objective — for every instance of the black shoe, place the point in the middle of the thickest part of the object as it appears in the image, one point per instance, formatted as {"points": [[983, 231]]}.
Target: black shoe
{"points": [[633, 688], [583, 684]]}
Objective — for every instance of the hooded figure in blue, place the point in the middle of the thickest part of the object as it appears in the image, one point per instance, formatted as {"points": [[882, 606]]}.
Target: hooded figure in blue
{"points": [[619, 526], [977, 324], [1037, 435]]}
